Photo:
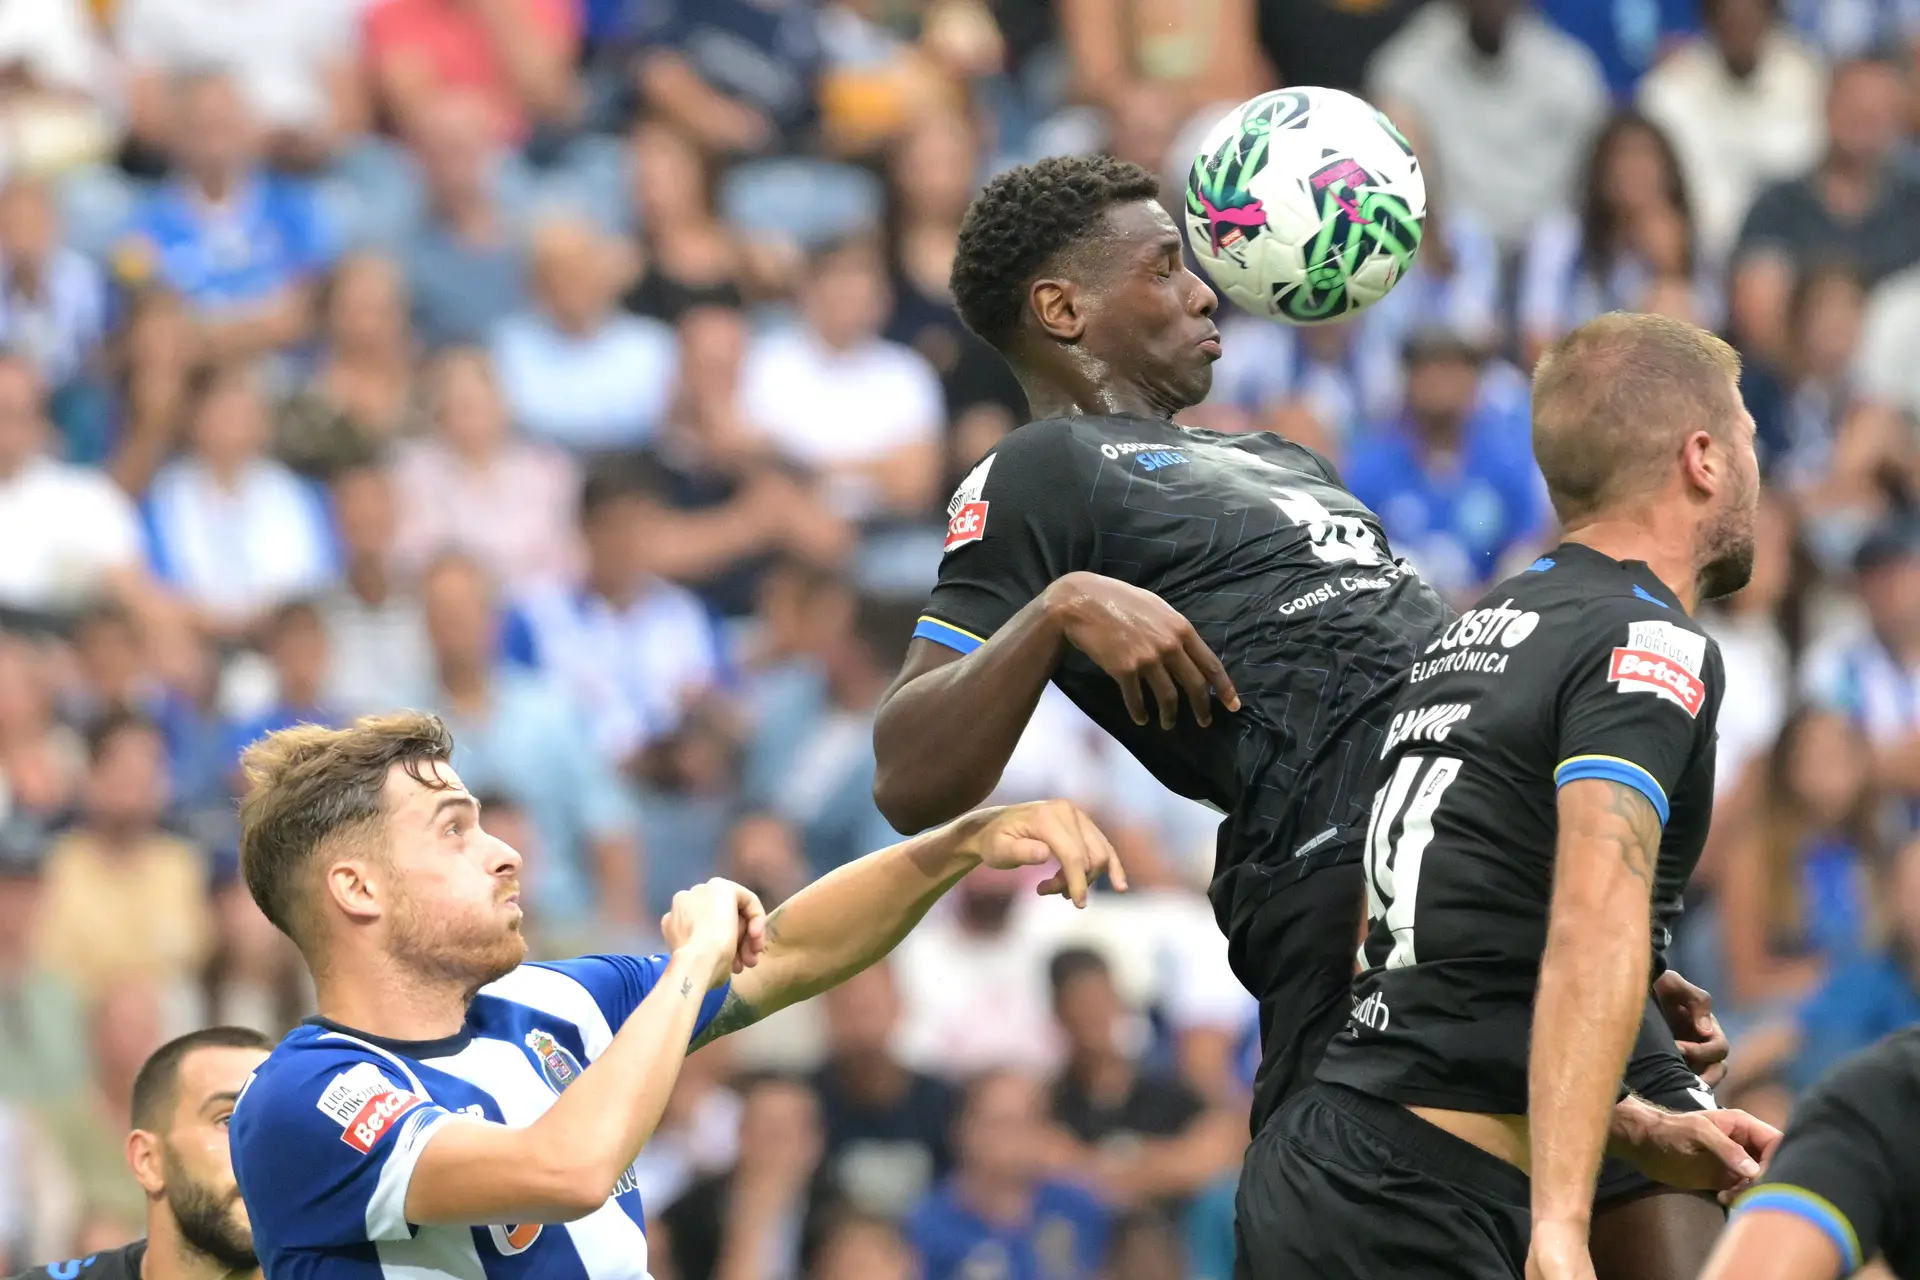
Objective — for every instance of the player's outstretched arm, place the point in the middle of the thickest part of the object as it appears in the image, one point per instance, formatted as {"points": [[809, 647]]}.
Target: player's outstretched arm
{"points": [[948, 725], [856, 914], [564, 1165], [1592, 992]]}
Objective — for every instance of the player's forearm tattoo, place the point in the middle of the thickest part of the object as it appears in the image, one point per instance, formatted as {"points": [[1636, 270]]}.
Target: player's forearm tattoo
{"points": [[1640, 843], [686, 986], [735, 1015]]}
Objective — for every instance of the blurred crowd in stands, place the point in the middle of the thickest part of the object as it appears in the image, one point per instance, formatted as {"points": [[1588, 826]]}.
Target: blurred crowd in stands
{"points": [[583, 370]]}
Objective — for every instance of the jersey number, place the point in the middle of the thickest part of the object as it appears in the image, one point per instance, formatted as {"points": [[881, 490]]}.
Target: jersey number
{"points": [[1397, 838], [1335, 539]]}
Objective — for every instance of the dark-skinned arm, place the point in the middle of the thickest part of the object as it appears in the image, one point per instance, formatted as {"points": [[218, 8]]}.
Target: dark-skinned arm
{"points": [[928, 773]]}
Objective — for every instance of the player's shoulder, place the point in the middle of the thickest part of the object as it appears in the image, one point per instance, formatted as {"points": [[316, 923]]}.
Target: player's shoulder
{"points": [[110, 1264], [1575, 584], [320, 1071]]}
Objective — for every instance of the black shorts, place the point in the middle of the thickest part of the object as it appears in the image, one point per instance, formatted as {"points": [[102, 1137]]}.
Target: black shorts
{"points": [[1341, 1186], [1657, 1073], [1299, 960]]}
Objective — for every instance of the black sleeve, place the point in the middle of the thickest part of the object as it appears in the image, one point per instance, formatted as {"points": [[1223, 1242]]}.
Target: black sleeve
{"points": [[1848, 1164], [113, 1264], [1637, 705], [1018, 521]]}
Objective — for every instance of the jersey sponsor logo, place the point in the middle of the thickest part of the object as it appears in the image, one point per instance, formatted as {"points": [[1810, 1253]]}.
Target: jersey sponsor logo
{"points": [[1675, 643], [1328, 592], [967, 510], [1485, 662], [365, 1105], [1371, 1013], [1500, 624], [1112, 451], [558, 1066], [1424, 724], [517, 1238], [1639, 671]]}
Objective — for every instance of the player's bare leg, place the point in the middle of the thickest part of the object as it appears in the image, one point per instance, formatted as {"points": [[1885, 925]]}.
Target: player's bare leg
{"points": [[1665, 1235]]}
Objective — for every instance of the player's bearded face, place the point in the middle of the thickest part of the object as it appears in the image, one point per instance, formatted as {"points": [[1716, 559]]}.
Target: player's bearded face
{"points": [[212, 1219], [1727, 540], [455, 927]]}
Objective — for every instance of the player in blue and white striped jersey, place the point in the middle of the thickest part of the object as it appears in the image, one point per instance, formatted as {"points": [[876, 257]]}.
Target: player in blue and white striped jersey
{"points": [[455, 1112]]}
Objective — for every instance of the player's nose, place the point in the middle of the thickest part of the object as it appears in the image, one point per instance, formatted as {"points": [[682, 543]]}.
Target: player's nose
{"points": [[503, 859], [1203, 300]]}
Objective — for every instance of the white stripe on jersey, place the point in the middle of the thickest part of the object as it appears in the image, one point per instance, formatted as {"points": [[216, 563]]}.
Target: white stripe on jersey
{"points": [[556, 993], [387, 1208]]}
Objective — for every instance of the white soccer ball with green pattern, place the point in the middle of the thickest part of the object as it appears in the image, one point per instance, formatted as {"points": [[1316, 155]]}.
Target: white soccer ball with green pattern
{"points": [[1305, 205]]}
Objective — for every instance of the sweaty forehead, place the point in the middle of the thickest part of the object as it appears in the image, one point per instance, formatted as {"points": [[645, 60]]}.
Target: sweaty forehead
{"points": [[1139, 226]]}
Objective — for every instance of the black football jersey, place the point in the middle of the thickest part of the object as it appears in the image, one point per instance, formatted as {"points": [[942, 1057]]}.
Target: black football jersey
{"points": [[1580, 667], [1850, 1163], [1283, 573], [114, 1264]]}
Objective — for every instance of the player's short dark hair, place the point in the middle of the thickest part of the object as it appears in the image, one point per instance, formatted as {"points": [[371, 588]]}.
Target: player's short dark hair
{"points": [[105, 731], [1611, 395], [1071, 963], [1023, 221], [156, 1086], [309, 786]]}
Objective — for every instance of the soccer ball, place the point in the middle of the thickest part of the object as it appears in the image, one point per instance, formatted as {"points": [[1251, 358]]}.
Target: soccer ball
{"points": [[1305, 205]]}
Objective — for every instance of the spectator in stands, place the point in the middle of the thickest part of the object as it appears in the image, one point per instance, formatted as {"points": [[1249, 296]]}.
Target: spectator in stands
{"points": [[1841, 456], [750, 1221], [43, 1047], [1796, 891], [69, 534], [722, 504], [1627, 39], [973, 982], [234, 531], [1453, 481], [1857, 205], [363, 396], [887, 1126], [294, 60], [243, 245], [42, 761], [1871, 674], [378, 658], [835, 397], [124, 899], [1000, 1207], [688, 257], [519, 733], [1762, 631], [1885, 369], [1742, 106], [1144, 1139], [1325, 42], [295, 642], [89, 1124], [466, 269], [1509, 102], [811, 757], [155, 355], [54, 113], [53, 312], [633, 650], [1877, 994], [860, 1247], [516, 55], [576, 370], [476, 486], [734, 76], [1634, 229]]}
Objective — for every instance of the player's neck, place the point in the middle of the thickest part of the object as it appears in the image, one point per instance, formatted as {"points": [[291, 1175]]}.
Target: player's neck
{"points": [[377, 996], [1092, 395], [1659, 549]]}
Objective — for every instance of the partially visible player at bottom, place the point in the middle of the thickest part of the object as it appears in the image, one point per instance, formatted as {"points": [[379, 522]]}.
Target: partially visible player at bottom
{"points": [[1109, 550], [1547, 780], [196, 1224], [1844, 1186], [456, 1112]]}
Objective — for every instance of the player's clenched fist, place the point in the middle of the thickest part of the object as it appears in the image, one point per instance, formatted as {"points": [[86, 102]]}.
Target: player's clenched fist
{"points": [[1138, 638], [1696, 1150], [721, 920], [1031, 835]]}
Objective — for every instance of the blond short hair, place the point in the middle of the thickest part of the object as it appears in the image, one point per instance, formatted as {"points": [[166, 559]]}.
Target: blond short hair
{"points": [[1612, 398], [310, 787]]}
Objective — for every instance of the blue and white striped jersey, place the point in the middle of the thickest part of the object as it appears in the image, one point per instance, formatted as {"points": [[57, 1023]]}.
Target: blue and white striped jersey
{"points": [[327, 1132]]}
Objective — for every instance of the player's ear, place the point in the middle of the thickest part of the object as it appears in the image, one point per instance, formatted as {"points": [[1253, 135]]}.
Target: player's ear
{"points": [[144, 1158], [1057, 308], [1702, 464], [351, 886]]}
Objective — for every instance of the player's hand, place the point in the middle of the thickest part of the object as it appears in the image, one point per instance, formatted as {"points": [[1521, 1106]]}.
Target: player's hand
{"points": [[718, 920], [1031, 835], [1141, 640], [1702, 1150], [1689, 1014], [1558, 1251]]}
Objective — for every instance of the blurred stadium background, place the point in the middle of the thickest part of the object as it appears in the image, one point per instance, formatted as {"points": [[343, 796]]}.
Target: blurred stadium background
{"points": [[582, 370]]}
